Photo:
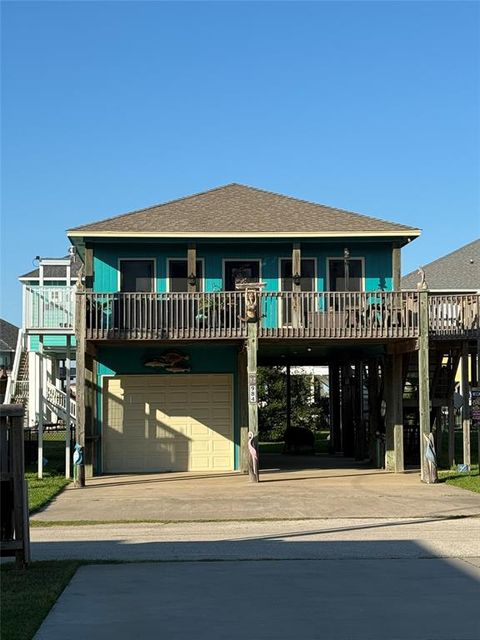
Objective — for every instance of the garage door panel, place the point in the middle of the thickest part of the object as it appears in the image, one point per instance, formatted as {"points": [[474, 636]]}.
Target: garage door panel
{"points": [[168, 423]]}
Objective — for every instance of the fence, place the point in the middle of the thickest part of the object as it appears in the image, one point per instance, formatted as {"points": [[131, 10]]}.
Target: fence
{"points": [[15, 535]]}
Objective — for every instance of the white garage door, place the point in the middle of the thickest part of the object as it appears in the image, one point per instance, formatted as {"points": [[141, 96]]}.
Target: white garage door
{"points": [[168, 423]]}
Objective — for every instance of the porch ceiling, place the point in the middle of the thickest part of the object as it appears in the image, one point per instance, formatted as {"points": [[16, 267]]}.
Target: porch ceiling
{"points": [[316, 352]]}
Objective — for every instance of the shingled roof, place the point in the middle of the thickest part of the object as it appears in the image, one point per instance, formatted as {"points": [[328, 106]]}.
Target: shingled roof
{"points": [[52, 271], [457, 271], [238, 210], [8, 336]]}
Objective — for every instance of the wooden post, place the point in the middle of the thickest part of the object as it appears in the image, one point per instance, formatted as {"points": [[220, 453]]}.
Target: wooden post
{"points": [[296, 288], [465, 406], [243, 408], [68, 366], [296, 265], [289, 396], [396, 267], [40, 383], [423, 380], [451, 431], [347, 411], [252, 346], [437, 413], [88, 265], [191, 267], [373, 411], [394, 416], [80, 331], [335, 413]]}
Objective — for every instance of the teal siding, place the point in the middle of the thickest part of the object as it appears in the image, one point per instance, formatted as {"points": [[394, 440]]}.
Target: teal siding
{"points": [[126, 360], [377, 256], [50, 341]]}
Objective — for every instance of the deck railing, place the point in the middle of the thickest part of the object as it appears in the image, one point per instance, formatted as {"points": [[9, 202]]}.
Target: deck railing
{"points": [[165, 316], [454, 315], [381, 314], [221, 314], [49, 308], [171, 316]]}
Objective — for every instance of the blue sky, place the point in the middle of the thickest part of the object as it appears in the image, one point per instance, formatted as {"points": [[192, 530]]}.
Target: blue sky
{"points": [[112, 106]]}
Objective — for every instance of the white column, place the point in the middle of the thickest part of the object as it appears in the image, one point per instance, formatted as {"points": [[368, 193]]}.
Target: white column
{"points": [[68, 365], [41, 382]]}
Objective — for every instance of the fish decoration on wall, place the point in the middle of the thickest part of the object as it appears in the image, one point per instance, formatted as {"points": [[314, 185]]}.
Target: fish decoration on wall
{"points": [[171, 361]]}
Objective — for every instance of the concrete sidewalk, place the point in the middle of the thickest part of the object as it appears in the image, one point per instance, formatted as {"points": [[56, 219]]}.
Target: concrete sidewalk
{"points": [[300, 493], [281, 600]]}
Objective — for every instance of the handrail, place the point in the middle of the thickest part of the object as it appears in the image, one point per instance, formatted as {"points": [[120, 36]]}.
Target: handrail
{"points": [[12, 379], [58, 401]]}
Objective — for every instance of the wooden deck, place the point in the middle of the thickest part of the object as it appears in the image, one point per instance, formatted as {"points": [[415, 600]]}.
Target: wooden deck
{"points": [[221, 315]]}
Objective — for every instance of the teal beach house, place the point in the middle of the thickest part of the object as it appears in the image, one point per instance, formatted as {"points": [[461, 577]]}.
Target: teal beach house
{"points": [[165, 313]]}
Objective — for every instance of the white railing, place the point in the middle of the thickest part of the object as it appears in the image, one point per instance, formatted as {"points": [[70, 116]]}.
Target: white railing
{"points": [[57, 399], [49, 308], [12, 379]]}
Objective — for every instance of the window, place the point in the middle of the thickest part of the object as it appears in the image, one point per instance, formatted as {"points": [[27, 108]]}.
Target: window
{"points": [[307, 276], [343, 277], [137, 275], [178, 275]]}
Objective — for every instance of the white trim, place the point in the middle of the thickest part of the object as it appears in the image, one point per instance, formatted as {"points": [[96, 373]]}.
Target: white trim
{"points": [[154, 260], [362, 259], [35, 278], [240, 234], [224, 260], [167, 273]]}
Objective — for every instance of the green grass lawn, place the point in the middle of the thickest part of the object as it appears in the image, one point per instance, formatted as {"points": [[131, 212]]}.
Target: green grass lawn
{"points": [[321, 444], [28, 595], [469, 481], [41, 492]]}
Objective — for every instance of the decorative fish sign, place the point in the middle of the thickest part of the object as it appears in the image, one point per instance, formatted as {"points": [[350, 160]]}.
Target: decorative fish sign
{"points": [[172, 361]]}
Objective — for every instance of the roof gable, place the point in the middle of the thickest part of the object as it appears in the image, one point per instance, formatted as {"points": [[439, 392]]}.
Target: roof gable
{"points": [[238, 210]]}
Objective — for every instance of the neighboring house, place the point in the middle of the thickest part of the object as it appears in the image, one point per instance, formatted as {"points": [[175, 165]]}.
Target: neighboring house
{"points": [[8, 344], [456, 272], [47, 335], [455, 278]]}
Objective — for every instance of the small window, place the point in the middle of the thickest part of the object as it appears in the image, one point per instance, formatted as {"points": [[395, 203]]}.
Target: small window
{"points": [[137, 275]]}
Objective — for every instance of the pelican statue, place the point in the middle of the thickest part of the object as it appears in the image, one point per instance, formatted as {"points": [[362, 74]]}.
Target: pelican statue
{"points": [[253, 454]]}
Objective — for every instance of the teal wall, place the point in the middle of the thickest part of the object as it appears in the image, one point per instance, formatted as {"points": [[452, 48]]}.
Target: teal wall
{"points": [[50, 341], [204, 358], [377, 255]]}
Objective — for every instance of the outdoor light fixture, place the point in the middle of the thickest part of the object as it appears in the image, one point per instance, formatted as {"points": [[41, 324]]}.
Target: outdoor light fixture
{"points": [[297, 280], [346, 260], [192, 279]]}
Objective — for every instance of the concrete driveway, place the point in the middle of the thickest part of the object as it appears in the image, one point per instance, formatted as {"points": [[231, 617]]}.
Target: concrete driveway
{"points": [[282, 600], [338, 491]]}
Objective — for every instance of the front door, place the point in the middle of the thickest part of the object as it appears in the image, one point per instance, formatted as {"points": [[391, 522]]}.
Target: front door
{"points": [[241, 271]]}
